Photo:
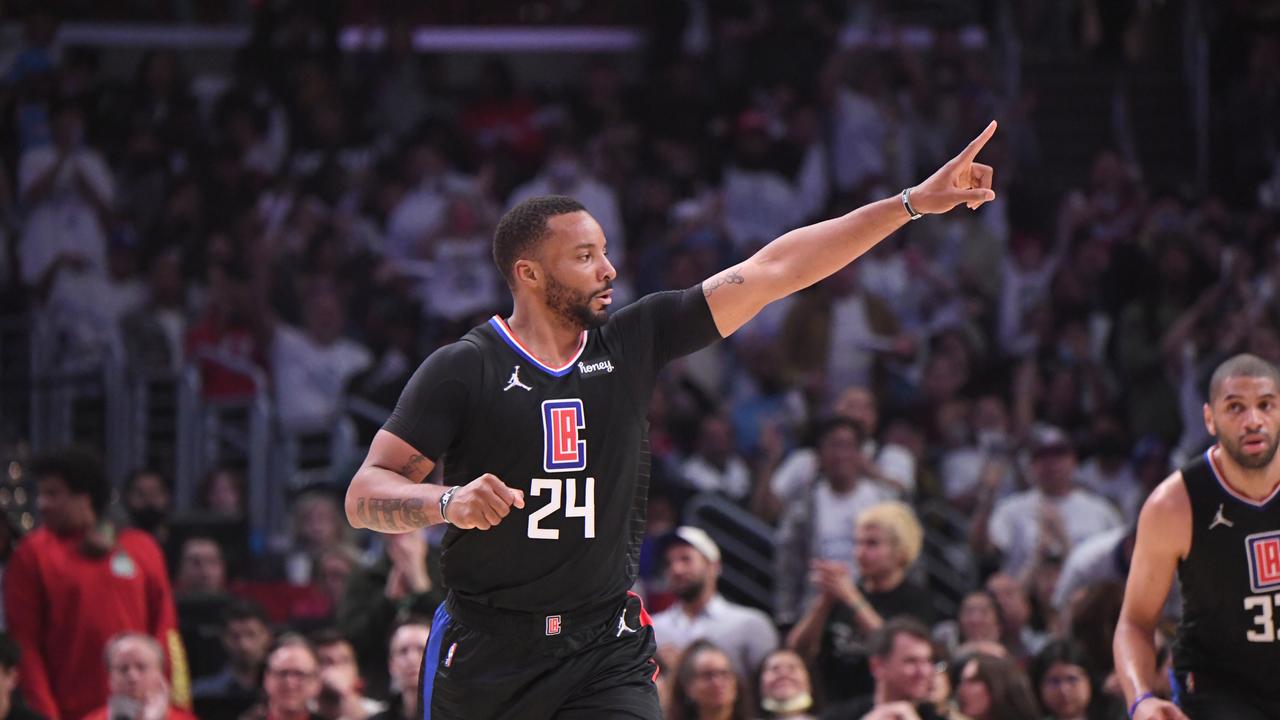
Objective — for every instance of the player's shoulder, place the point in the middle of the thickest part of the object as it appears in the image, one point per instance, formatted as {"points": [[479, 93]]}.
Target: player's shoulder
{"points": [[1168, 507]]}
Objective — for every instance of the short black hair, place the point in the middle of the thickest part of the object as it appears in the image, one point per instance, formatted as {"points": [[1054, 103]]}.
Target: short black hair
{"points": [[1242, 365], [241, 609], [883, 640], [326, 636], [831, 424], [80, 468], [524, 226], [10, 653]]}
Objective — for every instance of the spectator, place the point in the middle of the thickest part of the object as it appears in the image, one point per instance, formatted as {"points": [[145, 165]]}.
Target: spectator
{"points": [[291, 681], [1020, 638], [707, 687], [148, 500], [405, 582], [246, 637], [135, 674], [1052, 517], [316, 525], [715, 467], [154, 332], [221, 492], [1067, 687], [980, 621], [67, 189], [341, 687], [404, 663], [993, 688], [230, 339], [743, 634], [818, 522], [834, 631], [74, 583], [786, 692], [201, 568], [11, 705], [892, 463], [902, 667], [10, 534]]}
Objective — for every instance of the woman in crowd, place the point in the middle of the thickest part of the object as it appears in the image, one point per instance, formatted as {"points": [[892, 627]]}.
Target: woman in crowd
{"points": [[707, 687], [1067, 687], [786, 692], [992, 688]]}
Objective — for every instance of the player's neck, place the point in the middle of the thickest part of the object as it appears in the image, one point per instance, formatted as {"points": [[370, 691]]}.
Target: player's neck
{"points": [[1253, 483], [549, 338]]}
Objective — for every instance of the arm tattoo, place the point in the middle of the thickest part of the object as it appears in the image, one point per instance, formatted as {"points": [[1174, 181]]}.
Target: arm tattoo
{"points": [[392, 514], [412, 468], [728, 277]]}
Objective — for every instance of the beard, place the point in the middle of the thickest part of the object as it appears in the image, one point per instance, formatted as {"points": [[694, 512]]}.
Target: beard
{"points": [[692, 591], [1235, 448], [573, 306]]}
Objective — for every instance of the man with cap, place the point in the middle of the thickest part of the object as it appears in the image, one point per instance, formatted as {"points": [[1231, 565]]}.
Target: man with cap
{"points": [[1052, 517], [701, 613]]}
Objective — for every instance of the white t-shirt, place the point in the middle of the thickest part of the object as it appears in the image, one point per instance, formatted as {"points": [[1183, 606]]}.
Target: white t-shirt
{"points": [[800, 467], [64, 221], [733, 482], [310, 378], [1014, 527]]}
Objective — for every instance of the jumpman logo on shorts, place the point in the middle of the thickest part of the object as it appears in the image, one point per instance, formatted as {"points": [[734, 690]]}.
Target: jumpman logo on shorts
{"points": [[1219, 519], [622, 624], [514, 381]]}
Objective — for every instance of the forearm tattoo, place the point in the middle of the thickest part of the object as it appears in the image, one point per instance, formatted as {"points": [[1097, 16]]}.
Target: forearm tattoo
{"points": [[728, 277], [393, 514]]}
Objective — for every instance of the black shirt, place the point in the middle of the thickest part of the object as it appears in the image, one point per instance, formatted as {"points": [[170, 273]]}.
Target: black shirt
{"points": [[1230, 583], [573, 438], [844, 668]]}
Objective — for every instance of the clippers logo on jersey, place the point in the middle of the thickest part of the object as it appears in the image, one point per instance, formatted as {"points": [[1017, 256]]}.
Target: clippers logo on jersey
{"points": [[562, 424], [553, 625], [1263, 550]]}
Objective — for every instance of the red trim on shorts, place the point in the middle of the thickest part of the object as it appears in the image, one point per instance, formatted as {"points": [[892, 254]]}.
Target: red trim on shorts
{"points": [[645, 620]]}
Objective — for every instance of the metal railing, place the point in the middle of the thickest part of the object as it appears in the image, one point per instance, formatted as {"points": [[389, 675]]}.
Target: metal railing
{"points": [[746, 548]]}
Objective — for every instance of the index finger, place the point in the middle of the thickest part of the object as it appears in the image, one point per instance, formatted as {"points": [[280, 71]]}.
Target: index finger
{"points": [[975, 146]]}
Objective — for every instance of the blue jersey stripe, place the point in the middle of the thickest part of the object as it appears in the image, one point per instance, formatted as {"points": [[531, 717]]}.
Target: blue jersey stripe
{"points": [[513, 343], [431, 661]]}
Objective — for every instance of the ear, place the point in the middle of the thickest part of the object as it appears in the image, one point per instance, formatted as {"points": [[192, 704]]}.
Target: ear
{"points": [[1209, 424], [877, 665], [527, 272]]}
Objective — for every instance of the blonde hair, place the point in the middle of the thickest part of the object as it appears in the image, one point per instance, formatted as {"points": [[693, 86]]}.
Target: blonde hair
{"points": [[899, 521]]}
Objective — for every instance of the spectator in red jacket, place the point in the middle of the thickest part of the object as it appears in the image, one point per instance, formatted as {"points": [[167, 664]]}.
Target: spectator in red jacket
{"points": [[74, 583], [135, 673]]}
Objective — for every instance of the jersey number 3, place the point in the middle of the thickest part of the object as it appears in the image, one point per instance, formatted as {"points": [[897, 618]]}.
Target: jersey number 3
{"points": [[1264, 619]]}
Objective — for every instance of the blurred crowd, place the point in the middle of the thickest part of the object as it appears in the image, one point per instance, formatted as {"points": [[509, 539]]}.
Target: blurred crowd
{"points": [[1016, 379]]}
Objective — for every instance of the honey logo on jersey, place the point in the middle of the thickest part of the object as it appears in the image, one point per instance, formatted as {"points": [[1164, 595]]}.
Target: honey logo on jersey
{"points": [[563, 421], [1263, 550]]}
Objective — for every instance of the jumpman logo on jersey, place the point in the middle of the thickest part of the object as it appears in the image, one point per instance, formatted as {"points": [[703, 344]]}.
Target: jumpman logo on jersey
{"points": [[514, 381], [1219, 519], [622, 624]]}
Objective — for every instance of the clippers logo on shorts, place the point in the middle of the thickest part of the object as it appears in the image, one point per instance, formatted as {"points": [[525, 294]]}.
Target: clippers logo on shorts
{"points": [[1263, 550], [562, 424], [553, 625]]}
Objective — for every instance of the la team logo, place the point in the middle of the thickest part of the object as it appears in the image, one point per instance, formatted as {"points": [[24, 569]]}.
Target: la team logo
{"points": [[1263, 550], [562, 424]]}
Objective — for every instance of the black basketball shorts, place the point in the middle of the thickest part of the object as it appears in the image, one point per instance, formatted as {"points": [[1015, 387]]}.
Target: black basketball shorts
{"points": [[483, 664]]}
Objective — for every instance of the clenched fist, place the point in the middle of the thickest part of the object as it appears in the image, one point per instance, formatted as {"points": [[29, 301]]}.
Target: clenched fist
{"points": [[482, 503]]}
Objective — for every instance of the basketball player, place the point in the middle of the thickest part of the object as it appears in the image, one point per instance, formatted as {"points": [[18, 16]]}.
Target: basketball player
{"points": [[539, 420], [1216, 523]]}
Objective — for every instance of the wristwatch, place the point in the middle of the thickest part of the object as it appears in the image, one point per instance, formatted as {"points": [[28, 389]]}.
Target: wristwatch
{"points": [[444, 503], [906, 203]]}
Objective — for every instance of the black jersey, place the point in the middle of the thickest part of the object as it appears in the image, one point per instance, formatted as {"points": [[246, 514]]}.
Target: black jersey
{"points": [[573, 438], [1230, 583]]}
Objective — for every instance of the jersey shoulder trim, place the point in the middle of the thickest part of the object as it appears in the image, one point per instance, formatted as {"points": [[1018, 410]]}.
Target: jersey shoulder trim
{"points": [[1221, 478]]}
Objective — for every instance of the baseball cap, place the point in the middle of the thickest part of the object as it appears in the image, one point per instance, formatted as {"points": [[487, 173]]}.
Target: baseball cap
{"points": [[697, 538], [1046, 439]]}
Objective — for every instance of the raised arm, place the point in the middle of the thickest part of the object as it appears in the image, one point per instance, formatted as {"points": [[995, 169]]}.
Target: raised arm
{"points": [[1164, 537], [806, 255]]}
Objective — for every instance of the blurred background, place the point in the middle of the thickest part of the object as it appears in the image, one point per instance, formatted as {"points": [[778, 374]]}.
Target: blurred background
{"points": [[230, 231]]}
